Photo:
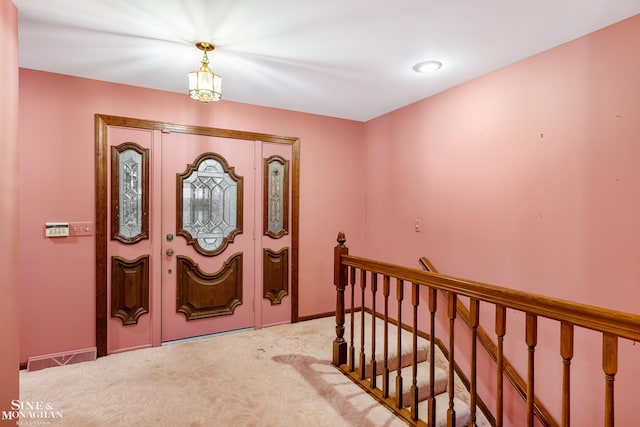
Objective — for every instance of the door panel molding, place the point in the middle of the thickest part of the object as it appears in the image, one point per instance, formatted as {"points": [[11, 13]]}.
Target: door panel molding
{"points": [[102, 123], [129, 288], [200, 295], [275, 266]]}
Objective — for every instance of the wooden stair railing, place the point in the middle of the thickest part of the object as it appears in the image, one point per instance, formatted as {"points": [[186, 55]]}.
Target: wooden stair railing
{"points": [[480, 335], [613, 325]]}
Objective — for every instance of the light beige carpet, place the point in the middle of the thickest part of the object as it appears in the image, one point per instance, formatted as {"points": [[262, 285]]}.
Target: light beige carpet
{"points": [[279, 376]]}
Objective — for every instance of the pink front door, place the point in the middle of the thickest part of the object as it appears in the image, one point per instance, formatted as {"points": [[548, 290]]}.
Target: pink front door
{"points": [[208, 243], [196, 267]]}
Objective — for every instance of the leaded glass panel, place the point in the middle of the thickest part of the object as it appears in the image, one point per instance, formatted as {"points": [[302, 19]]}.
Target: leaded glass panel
{"points": [[130, 166], [129, 192], [210, 211], [276, 197]]}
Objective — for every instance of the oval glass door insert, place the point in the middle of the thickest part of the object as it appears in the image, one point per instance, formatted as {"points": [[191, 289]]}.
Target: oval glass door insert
{"points": [[209, 204]]}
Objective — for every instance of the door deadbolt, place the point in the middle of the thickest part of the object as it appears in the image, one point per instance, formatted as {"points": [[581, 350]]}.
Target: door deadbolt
{"points": [[169, 252], [169, 237]]}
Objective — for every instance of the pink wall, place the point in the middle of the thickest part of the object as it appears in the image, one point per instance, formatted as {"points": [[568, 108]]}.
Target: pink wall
{"points": [[527, 178], [57, 172], [8, 205]]}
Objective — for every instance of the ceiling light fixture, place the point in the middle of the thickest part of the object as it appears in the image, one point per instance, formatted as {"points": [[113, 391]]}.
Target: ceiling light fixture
{"points": [[204, 84], [427, 66]]}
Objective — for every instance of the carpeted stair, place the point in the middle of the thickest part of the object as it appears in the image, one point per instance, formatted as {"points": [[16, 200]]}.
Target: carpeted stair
{"points": [[405, 359]]}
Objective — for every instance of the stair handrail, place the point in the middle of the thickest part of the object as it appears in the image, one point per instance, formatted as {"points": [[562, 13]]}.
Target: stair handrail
{"points": [[541, 412], [612, 324]]}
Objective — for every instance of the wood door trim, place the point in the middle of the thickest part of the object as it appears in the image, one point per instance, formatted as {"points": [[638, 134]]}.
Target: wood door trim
{"points": [[102, 122]]}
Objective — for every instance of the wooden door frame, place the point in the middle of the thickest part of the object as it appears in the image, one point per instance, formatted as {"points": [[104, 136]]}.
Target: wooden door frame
{"points": [[102, 122]]}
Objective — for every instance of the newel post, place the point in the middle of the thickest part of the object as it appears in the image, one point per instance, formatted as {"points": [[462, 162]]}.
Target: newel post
{"points": [[340, 274]]}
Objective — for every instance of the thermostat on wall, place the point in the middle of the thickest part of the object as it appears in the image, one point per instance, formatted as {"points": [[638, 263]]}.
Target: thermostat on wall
{"points": [[56, 229]]}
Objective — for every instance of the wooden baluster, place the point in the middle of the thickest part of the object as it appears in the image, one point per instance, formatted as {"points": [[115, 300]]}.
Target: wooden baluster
{"points": [[374, 363], [352, 349], [415, 297], [433, 303], [385, 377], [474, 319], [566, 351], [451, 413], [610, 368], [532, 341], [399, 297], [340, 281], [363, 359], [501, 329]]}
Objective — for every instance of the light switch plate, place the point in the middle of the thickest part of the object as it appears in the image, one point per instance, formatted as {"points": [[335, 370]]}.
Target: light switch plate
{"points": [[81, 228]]}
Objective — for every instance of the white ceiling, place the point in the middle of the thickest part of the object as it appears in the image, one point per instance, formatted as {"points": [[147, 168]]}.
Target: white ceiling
{"points": [[343, 58]]}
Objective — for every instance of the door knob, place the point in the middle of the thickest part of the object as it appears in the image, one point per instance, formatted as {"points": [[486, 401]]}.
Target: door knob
{"points": [[169, 252]]}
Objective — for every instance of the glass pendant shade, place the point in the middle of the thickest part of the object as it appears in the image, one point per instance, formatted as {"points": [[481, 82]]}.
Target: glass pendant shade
{"points": [[204, 84]]}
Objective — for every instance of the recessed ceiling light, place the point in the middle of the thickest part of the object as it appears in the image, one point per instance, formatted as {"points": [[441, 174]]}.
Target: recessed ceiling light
{"points": [[427, 66]]}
